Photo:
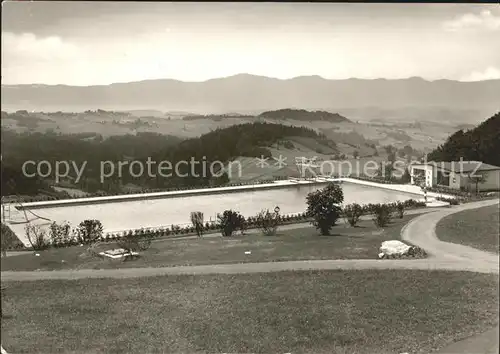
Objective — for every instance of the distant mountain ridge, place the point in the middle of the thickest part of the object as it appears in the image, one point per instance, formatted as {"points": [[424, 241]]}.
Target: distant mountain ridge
{"points": [[244, 93]]}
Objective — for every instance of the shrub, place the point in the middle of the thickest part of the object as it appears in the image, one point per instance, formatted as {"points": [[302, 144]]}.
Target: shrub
{"points": [[415, 251], [400, 208], [36, 237], [89, 231], [267, 222], [324, 206], [381, 214], [452, 201], [229, 221], [59, 233], [352, 213], [197, 220], [132, 243]]}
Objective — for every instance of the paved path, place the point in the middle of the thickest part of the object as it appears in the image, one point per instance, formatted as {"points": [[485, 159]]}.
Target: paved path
{"points": [[484, 343]]}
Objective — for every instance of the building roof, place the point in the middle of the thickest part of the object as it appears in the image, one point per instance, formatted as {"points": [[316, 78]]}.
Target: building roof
{"points": [[461, 166]]}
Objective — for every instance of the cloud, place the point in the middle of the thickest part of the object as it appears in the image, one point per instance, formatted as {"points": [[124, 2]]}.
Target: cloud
{"points": [[28, 47], [485, 20], [490, 73]]}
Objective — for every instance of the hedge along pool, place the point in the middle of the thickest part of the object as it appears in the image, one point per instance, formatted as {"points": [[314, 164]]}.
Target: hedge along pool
{"points": [[163, 212]]}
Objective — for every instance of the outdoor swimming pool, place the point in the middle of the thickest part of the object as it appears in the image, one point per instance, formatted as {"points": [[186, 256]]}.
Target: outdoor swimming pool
{"points": [[148, 213]]}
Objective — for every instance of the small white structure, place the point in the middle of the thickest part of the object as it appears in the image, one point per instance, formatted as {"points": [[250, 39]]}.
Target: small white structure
{"points": [[117, 253], [465, 175], [393, 248]]}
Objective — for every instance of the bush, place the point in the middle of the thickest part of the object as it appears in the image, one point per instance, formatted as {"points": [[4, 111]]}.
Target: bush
{"points": [[132, 243], [400, 208], [36, 237], [288, 145], [412, 203], [230, 221], [381, 214], [452, 201], [197, 220], [267, 222], [324, 206], [89, 231], [59, 233], [352, 213]]}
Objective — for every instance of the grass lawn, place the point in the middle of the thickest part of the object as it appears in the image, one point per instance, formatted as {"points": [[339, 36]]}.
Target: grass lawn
{"points": [[345, 312], [289, 244], [477, 228]]}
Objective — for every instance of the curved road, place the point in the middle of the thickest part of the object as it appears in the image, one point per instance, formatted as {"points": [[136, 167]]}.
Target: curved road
{"points": [[420, 232]]}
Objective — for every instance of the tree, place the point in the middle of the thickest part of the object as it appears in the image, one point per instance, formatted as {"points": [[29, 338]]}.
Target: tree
{"points": [[355, 154], [476, 180], [36, 236], [89, 231], [406, 177], [323, 206], [407, 150], [479, 144], [388, 170], [197, 220], [229, 221]]}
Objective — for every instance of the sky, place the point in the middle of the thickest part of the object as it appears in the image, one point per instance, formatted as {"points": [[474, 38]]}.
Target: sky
{"points": [[98, 43]]}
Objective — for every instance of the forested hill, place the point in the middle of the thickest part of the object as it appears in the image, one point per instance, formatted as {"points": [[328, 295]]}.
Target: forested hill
{"points": [[481, 143], [219, 145], [302, 114], [250, 139]]}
